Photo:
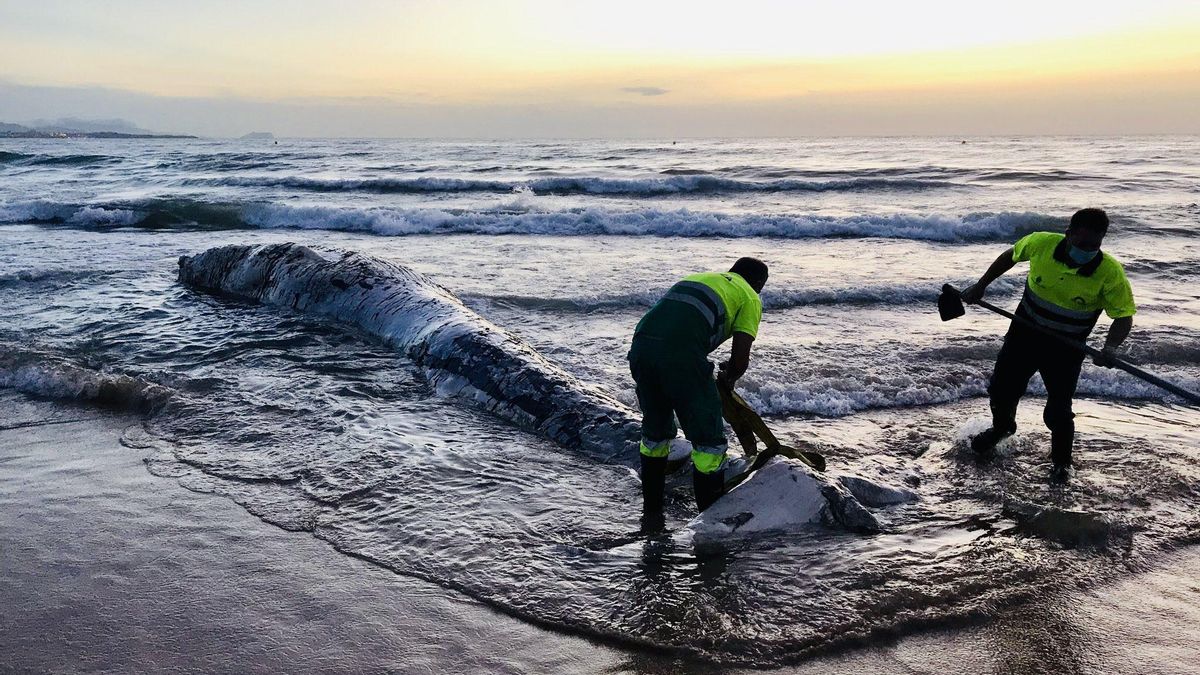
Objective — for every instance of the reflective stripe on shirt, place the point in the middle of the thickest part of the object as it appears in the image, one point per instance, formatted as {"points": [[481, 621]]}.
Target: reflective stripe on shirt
{"points": [[706, 301], [1060, 319]]}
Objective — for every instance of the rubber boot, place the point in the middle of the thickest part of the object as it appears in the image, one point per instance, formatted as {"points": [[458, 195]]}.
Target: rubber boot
{"points": [[654, 472], [709, 487], [985, 441], [1062, 441]]}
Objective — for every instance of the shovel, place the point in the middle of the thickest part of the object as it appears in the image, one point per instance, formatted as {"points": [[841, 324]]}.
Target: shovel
{"points": [[747, 424], [950, 306]]}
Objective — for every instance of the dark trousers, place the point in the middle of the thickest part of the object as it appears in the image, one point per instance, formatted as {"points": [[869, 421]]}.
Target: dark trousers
{"points": [[1024, 353], [676, 381]]}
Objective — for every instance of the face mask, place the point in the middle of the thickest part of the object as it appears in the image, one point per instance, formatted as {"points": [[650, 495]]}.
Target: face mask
{"points": [[1080, 256]]}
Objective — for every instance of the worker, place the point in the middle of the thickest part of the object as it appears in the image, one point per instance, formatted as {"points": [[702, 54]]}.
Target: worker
{"points": [[669, 363], [1070, 282]]}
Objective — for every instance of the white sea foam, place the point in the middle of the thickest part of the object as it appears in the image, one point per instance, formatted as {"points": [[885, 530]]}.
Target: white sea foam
{"points": [[100, 216]]}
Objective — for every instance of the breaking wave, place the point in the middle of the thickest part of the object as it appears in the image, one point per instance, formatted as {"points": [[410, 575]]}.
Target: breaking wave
{"points": [[168, 213], [650, 222], [889, 294], [676, 184], [24, 159], [827, 395], [35, 276], [150, 214], [49, 376]]}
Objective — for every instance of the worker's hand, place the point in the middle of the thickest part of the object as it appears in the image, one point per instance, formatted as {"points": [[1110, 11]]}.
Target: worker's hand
{"points": [[972, 294], [723, 376], [1106, 358]]}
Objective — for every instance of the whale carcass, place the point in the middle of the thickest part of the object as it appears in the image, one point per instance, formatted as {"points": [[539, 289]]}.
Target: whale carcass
{"points": [[466, 355]]}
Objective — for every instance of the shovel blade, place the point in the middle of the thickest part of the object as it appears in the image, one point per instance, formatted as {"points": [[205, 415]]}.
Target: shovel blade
{"points": [[813, 459], [950, 305]]}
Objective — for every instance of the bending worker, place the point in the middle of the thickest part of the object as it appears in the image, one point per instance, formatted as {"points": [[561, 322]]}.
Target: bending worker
{"points": [[669, 362], [1070, 281]]}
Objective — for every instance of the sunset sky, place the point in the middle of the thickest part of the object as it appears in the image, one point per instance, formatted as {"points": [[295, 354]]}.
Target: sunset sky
{"points": [[614, 68]]}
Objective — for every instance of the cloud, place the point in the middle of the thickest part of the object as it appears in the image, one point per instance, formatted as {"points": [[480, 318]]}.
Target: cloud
{"points": [[645, 91]]}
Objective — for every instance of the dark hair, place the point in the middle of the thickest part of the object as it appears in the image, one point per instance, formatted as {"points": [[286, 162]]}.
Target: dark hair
{"points": [[1095, 220], [752, 270]]}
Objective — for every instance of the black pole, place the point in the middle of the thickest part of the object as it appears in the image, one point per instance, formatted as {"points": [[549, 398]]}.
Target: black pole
{"points": [[1117, 363]]}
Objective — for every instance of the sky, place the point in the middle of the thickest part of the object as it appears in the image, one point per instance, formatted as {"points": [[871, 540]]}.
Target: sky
{"points": [[618, 68]]}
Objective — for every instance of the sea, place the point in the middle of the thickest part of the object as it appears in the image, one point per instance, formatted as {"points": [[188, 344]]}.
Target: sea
{"points": [[318, 427]]}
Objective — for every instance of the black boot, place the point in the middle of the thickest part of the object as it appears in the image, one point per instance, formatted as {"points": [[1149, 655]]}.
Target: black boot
{"points": [[985, 441], [709, 487], [654, 472], [1062, 441]]}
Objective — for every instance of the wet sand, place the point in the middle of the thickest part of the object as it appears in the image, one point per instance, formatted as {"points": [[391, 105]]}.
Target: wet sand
{"points": [[107, 568]]}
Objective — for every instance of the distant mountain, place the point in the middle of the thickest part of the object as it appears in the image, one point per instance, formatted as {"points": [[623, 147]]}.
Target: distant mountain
{"points": [[73, 127], [258, 136], [76, 125]]}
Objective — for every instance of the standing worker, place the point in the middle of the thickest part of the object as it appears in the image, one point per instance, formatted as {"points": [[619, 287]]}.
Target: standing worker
{"points": [[1070, 281], [669, 363]]}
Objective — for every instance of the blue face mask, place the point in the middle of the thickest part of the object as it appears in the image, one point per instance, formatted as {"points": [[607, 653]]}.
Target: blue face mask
{"points": [[1080, 256]]}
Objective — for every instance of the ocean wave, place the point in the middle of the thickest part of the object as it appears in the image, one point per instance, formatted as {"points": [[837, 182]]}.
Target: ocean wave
{"points": [[1150, 348], [1164, 350], [565, 185], [1049, 175], [957, 372], [839, 396], [34, 276], [651, 222], [849, 393], [889, 294], [24, 159], [519, 219], [150, 214], [49, 376], [1172, 269]]}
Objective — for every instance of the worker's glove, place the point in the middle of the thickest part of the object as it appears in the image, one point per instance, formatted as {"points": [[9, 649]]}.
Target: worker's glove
{"points": [[972, 294], [1106, 358], [723, 376]]}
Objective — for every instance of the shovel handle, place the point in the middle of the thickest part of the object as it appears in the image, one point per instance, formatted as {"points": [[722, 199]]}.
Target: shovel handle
{"points": [[1092, 351]]}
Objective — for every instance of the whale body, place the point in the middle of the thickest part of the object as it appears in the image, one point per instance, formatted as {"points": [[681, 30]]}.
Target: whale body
{"points": [[784, 494], [463, 353], [466, 355]]}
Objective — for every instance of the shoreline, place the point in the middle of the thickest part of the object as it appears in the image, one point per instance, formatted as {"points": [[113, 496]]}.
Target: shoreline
{"points": [[108, 568]]}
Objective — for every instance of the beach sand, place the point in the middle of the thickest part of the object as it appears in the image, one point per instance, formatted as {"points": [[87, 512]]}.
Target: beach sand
{"points": [[107, 568]]}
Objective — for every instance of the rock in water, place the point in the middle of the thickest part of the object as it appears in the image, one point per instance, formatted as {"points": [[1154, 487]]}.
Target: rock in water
{"points": [[876, 494]]}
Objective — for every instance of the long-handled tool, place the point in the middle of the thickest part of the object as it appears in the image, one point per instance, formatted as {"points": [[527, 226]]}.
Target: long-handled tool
{"points": [[950, 306], [747, 424]]}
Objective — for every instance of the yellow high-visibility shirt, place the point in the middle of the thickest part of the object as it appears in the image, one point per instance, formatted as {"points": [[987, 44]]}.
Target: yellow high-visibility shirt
{"points": [[1070, 299]]}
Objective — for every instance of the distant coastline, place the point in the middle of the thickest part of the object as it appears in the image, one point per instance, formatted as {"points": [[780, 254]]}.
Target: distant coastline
{"points": [[33, 133], [77, 128]]}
